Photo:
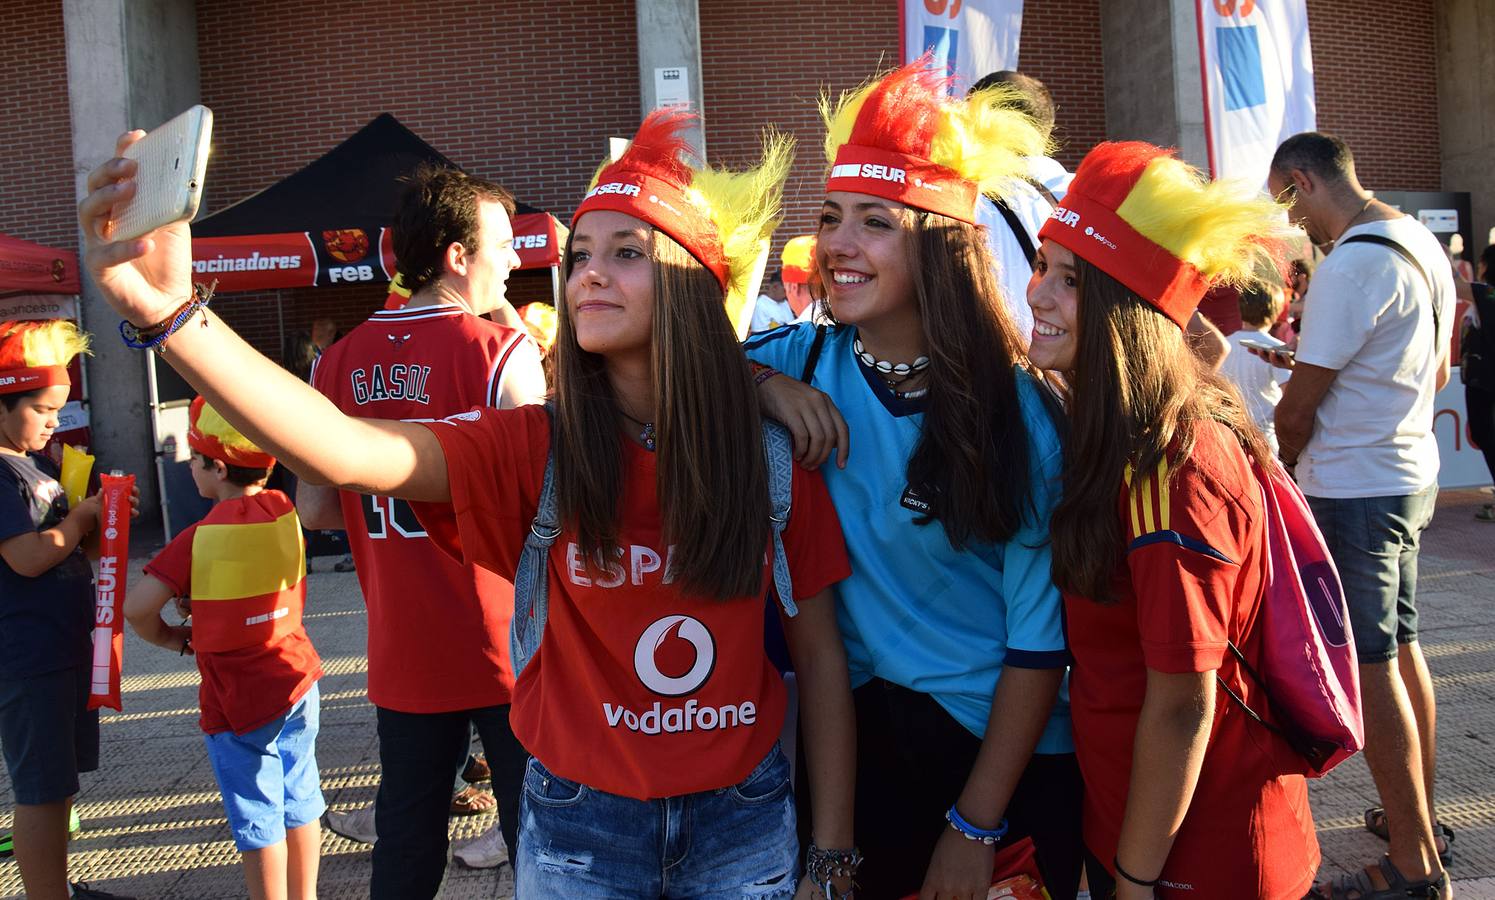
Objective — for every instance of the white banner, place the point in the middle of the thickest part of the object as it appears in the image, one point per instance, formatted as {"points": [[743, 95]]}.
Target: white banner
{"points": [[38, 306], [971, 38], [1258, 81]]}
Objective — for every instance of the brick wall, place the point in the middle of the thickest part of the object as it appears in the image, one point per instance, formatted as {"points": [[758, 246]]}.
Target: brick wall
{"points": [[524, 97], [1061, 48], [1375, 77], [36, 154]]}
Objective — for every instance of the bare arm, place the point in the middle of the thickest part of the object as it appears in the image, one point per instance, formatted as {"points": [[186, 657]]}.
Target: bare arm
{"points": [[810, 416], [31, 555], [827, 718], [143, 605], [1207, 341], [1167, 754], [523, 377], [319, 507], [147, 279], [1019, 710], [1301, 396]]}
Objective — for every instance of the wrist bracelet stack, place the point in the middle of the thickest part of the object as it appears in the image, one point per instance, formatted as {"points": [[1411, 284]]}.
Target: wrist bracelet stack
{"points": [[154, 337], [971, 832], [822, 866]]}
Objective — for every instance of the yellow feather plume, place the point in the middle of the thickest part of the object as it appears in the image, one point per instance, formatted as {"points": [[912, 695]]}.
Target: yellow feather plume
{"points": [[34, 344], [210, 423]]}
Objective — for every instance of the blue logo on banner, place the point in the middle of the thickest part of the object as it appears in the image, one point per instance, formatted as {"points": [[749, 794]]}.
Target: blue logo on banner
{"points": [[1239, 55], [945, 42]]}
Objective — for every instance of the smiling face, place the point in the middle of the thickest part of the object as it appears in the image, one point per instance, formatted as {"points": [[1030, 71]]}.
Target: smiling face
{"points": [[28, 427], [1054, 296], [610, 288], [863, 253]]}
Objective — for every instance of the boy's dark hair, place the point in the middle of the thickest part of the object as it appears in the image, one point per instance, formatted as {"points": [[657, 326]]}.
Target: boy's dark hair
{"points": [[438, 207], [11, 401], [1487, 263], [242, 476], [1036, 101], [1260, 306], [1321, 155]]}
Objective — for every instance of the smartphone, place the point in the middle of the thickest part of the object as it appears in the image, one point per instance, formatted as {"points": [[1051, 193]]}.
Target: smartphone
{"points": [[168, 185], [1267, 348]]}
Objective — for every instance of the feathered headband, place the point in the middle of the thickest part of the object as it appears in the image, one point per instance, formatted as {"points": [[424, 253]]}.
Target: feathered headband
{"points": [[1164, 230], [211, 435], [35, 355], [905, 138], [721, 218]]}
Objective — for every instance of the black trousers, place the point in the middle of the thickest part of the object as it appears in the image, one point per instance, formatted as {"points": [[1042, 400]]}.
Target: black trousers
{"points": [[420, 755], [1479, 404], [913, 760]]}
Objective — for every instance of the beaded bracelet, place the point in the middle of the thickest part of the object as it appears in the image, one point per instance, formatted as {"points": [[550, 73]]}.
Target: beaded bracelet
{"points": [[762, 373], [154, 337], [822, 866], [971, 832]]}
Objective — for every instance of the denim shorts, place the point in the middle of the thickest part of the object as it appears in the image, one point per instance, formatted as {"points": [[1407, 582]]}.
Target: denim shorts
{"points": [[268, 777], [1374, 542], [727, 844], [48, 734]]}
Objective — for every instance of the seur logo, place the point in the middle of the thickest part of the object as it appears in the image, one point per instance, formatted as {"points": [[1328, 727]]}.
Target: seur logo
{"points": [[674, 656]]}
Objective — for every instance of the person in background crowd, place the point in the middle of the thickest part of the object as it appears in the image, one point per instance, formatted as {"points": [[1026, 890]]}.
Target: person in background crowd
{"points": [[797, 270], [951, 619], [437, 630], [772, 308], [242, 571], [1259, 382], [1356, 420], [1158, 540], [323, 334], [611, 801], [47, 732], [1477, 368]]}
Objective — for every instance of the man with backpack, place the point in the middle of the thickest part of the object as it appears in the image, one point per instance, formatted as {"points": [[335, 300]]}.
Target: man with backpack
{"points": [[1477, 367], [1356, 421]]}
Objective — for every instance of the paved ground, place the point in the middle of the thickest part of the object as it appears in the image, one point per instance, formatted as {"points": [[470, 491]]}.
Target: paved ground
{"points": [[154, 827]]}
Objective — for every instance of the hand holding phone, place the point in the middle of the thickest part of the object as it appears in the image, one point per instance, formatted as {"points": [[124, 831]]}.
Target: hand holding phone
{"points": [[1280, 356], [171, 164]]}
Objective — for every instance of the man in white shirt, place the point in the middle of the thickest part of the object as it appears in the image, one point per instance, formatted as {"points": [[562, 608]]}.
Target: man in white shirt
{"points": [[772, 308], [1356, 419]]}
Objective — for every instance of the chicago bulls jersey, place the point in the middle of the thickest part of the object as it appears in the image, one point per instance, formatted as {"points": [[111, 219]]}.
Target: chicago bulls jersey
{"points": [[438, 630]]}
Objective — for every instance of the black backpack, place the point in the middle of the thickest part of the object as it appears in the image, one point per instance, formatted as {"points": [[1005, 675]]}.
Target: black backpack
{"points": [[1477, 344]]}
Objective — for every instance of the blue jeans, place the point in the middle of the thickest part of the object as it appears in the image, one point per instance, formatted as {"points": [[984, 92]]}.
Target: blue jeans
{"points": [[1374, 542], [734, 842]]}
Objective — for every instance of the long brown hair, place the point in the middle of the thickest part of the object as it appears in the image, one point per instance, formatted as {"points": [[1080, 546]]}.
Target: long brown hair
{"points": [[712, 480], [1138, 396]]}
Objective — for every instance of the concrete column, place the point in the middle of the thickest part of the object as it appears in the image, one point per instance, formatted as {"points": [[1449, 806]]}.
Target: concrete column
{"points": [[131, 64], [669, 48], [1466, 108], [1150, 50]]}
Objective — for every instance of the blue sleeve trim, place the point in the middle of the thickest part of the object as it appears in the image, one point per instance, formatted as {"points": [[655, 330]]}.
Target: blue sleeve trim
{"points": [[1184, 541], [1037, 659], [773, 334]]}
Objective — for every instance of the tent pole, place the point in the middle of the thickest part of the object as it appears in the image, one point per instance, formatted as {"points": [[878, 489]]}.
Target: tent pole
{"points": [[555, 285], [280, 321]]}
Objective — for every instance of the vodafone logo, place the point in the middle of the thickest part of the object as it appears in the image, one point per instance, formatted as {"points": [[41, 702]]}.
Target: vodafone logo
{"points": [[674, 656]]}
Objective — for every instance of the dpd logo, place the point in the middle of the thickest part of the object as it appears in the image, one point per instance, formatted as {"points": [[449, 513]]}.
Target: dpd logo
{"points": [[674, 656]]}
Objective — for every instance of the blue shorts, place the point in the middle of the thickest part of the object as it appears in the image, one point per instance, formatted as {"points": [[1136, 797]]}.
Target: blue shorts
{"points": [[268, 777], [584, 844], [48, 734], [1374, 542]]}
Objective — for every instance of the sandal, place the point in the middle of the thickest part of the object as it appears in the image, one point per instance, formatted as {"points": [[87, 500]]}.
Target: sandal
{"points": [[1375, 823], [1360, 886], [476, 769], [472, 802]]}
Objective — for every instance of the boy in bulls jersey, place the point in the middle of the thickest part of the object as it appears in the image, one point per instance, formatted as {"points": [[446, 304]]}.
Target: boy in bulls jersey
{"points": [[242, 569]]}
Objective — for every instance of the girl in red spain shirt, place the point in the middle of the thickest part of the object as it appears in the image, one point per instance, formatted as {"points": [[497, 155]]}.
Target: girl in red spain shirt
{"points": [[1158, 540], [650, 707]]}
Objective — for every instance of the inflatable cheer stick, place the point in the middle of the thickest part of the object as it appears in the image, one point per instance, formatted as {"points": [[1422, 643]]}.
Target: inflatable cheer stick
{"points": [[76, 467], [109, 596]]}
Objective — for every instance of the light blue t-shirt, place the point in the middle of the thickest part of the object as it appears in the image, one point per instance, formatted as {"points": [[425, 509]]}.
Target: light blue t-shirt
{"points": [[915, 611]]}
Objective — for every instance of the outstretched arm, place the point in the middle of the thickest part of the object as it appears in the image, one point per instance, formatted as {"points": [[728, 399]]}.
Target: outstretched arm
{"points": [[147, 279]]}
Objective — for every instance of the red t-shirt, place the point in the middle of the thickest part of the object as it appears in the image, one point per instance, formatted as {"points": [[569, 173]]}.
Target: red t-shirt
{"points": [[1192, 579], [243, 689], [438, 632], [637, 688]]}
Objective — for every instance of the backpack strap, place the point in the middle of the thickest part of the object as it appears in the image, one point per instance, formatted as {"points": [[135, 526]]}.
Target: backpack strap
{"points": [[531, 577], [778, 450], [815, 347], [1017, 229], [1405, 254]]}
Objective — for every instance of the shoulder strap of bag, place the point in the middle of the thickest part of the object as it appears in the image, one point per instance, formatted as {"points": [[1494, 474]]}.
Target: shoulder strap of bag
{"points": [[531, 581], [1018, 231], [1405, 254], [815, 347], [778, 450]]}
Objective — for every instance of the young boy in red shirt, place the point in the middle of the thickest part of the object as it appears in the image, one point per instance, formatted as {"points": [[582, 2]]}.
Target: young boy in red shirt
{"points": [[242, 569]]}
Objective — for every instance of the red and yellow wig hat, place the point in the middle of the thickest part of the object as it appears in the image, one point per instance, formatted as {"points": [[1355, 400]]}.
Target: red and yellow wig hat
{"points": [[721, 218], [1161, 228], [35, 355], [797, 259], [905, 138], [210, 434]]}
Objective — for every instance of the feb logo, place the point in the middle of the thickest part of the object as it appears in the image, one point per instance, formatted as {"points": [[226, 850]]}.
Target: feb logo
{"points": [[346, 244], [674, 656]]}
